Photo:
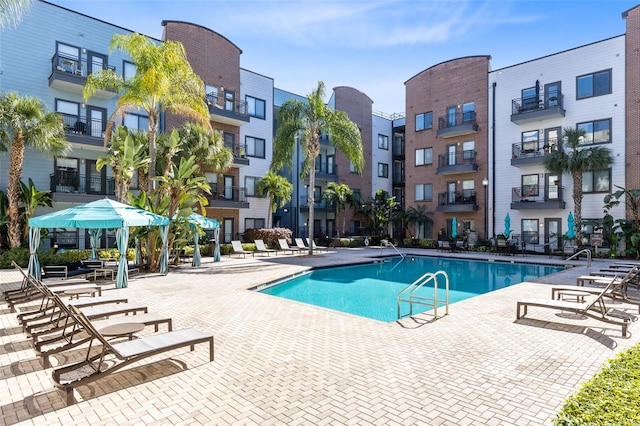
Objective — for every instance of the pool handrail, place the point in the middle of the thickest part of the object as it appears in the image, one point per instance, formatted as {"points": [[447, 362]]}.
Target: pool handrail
{"points": [[425, 301], [389, 243], [577, 256]]}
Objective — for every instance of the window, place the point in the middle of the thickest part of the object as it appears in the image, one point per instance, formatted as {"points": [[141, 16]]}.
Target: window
{"points": [[383, 141], [255, 147], [596, 132], [424, 192], [383, 170], [256, 107], [468, 191], [424, 121], [530, 185], [229, 101], [596, 84], [468, 112], [424, 156], [530, 231], [352, 168], [250, 223], [530, 141], [251, 185], [68, 59], [136, 122], [211, 95], [597, 181], [128, 70], [468, 150]]}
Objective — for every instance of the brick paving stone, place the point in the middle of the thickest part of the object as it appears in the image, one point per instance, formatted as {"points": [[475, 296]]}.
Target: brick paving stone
{"points": [[282, 362]]}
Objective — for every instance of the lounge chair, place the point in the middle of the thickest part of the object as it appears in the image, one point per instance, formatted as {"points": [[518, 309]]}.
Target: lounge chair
{"points": [[284, 246], [300, 244], [237, 249], [593, 307], [262, 248], [120, 354], [315, 247]]}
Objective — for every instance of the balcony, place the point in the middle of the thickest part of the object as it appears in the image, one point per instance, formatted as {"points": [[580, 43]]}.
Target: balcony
{"points": [[460, 201], [398, 178], [71, 186], [398, 149], [79, 129], [70, 74], [325, 170], [232, 112], [536, 108], [318, 205], [535, 197], [456, 163], [533, 152], [457, 125], [239, 151], [228, 197]]}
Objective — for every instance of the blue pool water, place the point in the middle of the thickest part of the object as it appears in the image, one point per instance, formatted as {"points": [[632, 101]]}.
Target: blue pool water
{"points": [[371, 290]]}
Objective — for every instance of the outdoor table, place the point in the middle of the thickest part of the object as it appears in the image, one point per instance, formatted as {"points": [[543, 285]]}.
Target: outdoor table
{"points": [[78, 291], [121, 330]]}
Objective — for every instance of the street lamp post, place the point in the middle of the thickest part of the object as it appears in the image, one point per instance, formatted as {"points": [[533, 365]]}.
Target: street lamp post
{"points": [[485, 184]]}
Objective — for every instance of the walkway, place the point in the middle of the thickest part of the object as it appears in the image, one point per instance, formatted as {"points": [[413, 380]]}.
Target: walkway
{"points": [[280, 362]]}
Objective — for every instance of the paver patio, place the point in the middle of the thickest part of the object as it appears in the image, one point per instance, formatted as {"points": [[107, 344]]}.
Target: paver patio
{"points": [[281, 362]]}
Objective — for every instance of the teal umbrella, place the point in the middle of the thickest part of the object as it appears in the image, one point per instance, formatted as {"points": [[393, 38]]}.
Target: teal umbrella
{"points": [[34, 242], [205, 223], [454, 227], [571, 232], [94, 238], [507, 225]]}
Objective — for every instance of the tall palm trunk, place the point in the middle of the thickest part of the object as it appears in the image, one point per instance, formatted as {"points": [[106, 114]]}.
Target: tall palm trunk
{"points": [[13, 189], [269, 212], [153, 125], [577, 201], [314, 151]]}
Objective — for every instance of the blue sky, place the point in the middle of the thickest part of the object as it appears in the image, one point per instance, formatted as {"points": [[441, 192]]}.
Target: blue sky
{"points": [[374, 46]]}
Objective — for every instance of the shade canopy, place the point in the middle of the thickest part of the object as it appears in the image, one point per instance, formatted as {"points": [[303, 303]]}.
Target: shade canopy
{"points": [[100, 214]]}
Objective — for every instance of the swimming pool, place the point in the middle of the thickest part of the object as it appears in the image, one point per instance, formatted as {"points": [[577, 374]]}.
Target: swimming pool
{"points": [[371, 290]]}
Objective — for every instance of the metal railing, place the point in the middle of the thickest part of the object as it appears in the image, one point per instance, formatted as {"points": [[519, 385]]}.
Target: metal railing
{"points": [[413, 298], [80, 125], [457, 119], [454, 159], [536, 103], [534, 148], [61, 62], [74, 182], [577, 256], [536, 193], [227, 193], [466, 196], [239, 150], [217, 103]]}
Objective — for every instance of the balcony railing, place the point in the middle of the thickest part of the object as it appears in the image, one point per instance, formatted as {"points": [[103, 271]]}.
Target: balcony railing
{"points": [[227, 111], [74, 182], [533, 149], [227, 193], [398, 148], [239, 150], [466, 196], [459, 162], [527, 197], [79, 125], [461, 123], [533, 108], [324, 167], [76, 66], [398, 177]]}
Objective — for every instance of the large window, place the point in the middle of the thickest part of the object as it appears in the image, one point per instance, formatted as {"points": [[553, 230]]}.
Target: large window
{"points": [[251, 223], [598, 181], [251, 185], [596, 84], [383, 170], [136, 122], [255, 107], [383, 141], [468, 112], [424, 156], [128, 70], [530, 233], [424, 121], [530, 185], [468, 150], [255, 147], [596, 132], [424, 192]]}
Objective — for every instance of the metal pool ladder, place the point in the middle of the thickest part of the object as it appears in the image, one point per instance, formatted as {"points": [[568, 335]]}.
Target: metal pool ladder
{"points": [[411, 298]]}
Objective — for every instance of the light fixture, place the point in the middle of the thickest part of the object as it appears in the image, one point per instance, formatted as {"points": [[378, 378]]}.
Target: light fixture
{"points": [[485, 182]]}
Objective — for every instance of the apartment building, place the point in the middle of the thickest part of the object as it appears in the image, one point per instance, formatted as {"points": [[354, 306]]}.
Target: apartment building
{"points": [[241, 107], [53, 65], [446, 145], [530, 104]]}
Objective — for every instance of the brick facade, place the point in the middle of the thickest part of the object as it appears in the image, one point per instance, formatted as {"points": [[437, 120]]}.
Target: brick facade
{"points": [[632, 106], [451, 83]]}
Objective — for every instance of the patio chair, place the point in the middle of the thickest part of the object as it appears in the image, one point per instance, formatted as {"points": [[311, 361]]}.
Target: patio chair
{"points": [[237, 249], [120, 354], [593, 306], [315, 247], [284, 246], [300, 244], [262, 248]]}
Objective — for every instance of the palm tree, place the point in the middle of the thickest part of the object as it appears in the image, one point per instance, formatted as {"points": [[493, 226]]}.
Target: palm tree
{"points": [[203, 143], [32, 199], [24, 122], [339, 195], [164, 81], [126, 156], [306, 121], [11, 12], [278, 189], [418, 216], [574, 159]]}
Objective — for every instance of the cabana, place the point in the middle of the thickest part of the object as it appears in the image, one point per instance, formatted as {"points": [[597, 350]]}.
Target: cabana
{"points": [[205, 223], [100, 214]]}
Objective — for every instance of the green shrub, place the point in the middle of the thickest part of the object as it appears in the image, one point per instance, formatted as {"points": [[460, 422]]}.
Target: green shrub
{"points": [[428, 243], [270, 236], [612, 397], [19, 255]]}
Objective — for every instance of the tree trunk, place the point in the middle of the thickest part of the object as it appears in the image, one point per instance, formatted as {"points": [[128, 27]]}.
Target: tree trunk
{"points": [[577, 201], [153, 125], [13, 190], [312, 182], [270, 212]]}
